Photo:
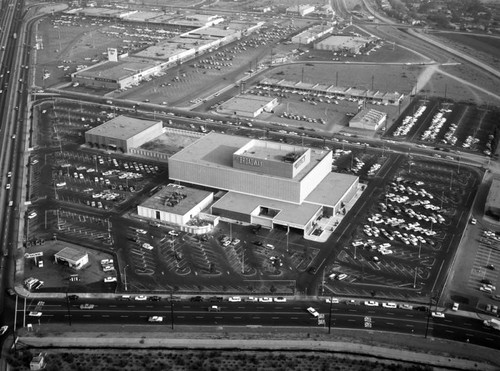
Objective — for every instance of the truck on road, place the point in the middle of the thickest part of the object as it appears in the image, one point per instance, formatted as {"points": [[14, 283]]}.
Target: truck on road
{"points": [[494, 323]]}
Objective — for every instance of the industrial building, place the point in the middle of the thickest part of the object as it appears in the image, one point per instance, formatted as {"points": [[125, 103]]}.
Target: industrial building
{"points": [[72, 257], [122, 133], [341, 43], [492, 206], [333, 91], [266, 183], [368, 119], [248, 105]]}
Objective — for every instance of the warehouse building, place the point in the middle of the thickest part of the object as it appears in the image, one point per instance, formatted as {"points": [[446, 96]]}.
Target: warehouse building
{"points": [[248, 105], [368, 119], [122, 133], [265, 183], [72, 258], [492, 207]]}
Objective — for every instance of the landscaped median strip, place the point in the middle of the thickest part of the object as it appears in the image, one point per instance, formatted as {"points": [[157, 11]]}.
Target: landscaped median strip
{"points": [[222, 341]]}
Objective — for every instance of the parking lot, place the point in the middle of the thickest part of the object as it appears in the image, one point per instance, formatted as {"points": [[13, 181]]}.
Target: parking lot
{"points": [[442, 124], [406, 231]]}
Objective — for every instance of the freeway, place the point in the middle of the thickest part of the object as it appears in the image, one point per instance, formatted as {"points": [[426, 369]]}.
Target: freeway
{"points": [[291, 313]]}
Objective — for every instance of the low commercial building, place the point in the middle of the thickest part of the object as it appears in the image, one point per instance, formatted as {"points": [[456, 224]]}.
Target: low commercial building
{"points": [[175, 204], [72, 257], [122, 133], [301, 10], [368, 119], [492, 206], [311, 34], [341, 43], [248, 105]]}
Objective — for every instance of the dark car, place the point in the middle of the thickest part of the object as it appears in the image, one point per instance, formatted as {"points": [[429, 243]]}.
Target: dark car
{"points": [[486, 281], [258, 243], [196, 298], [215, 299], [422, 308], [73, 297], [11, 292], [491, 266], [312, 270], [154, 298]]}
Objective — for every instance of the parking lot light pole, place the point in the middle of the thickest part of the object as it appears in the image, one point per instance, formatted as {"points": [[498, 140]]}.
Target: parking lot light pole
{"points": [[415, 279], [330, 316], [172, 309]]}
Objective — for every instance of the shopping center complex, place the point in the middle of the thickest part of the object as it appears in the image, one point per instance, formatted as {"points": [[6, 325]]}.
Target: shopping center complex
{"points": [[259, 182]]}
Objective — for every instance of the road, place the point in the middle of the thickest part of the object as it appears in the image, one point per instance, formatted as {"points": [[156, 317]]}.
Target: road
{"points": [[452, 327]]}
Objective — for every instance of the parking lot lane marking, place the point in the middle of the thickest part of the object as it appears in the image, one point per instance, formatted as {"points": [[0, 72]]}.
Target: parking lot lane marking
{"points": [[130, 306], [86, 315], [390, 323], [408, 325], [236, 317], [467, 324], [294, 317], [490, 339], [255, 317], [275, 318], [181, 316], [447, 320], [450, 331], [390, 313], [112, 306], [409, 315], [351, 320], [123, 316], [199, 317], [105, 315]]}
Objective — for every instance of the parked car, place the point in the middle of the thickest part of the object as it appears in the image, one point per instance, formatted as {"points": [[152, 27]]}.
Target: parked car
{"points": [[280, 299], [234, 299], [265, 300], [109, 279], [437, 314], [332, 300], [141, 298], [214, 308], [155, 319], [3, 330], [87, 306], [371, 303]]}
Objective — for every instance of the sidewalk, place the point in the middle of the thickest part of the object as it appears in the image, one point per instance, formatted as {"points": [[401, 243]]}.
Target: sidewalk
{"points": [[396, 347]]}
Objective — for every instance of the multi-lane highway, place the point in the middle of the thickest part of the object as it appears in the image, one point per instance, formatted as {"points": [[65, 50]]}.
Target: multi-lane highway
{"points": [[290, 314]]}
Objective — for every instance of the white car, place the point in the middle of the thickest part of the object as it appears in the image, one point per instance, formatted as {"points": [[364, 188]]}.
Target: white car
{"points": [[332, 300], [106, 262], [141, 298], [251, 299], [155, 319], [141, 231], [406, 306], [485, 289], [437, 314], [280, 299], [3, 330], [389, 305], [110, 279], [266, 300], [173, 233], [7, 186], [234, 299], [108, 268], [147, 246], [35, 314], [313, 311], [32, 215], [87, 306], [371, 303]]}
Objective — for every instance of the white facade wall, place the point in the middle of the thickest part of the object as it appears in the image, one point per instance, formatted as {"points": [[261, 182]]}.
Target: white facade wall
{"points": [[233, 180], [145, 136], [315, 176], [164, 216]]}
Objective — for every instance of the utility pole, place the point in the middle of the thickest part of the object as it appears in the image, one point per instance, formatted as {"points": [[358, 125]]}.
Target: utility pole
{"points": [[172, 309], [330, 317]]}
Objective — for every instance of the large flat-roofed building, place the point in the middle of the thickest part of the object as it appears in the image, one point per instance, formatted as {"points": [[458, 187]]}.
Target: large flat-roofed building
{"points": [[72, 257], [122, 133], [248, 105], [117, 75], [336, 43], [266, 183], [368, 119], [302, 9], [175, 204], [492, 206], [311, 34]]}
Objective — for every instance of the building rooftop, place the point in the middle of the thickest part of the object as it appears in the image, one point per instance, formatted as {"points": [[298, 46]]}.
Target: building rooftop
{"points": [[216, 150], [116, 71], [187, 199], [70, 253], [493, 199], [330, 191], [246, 103], [292, 214], [122, 127], [343, 41]]}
